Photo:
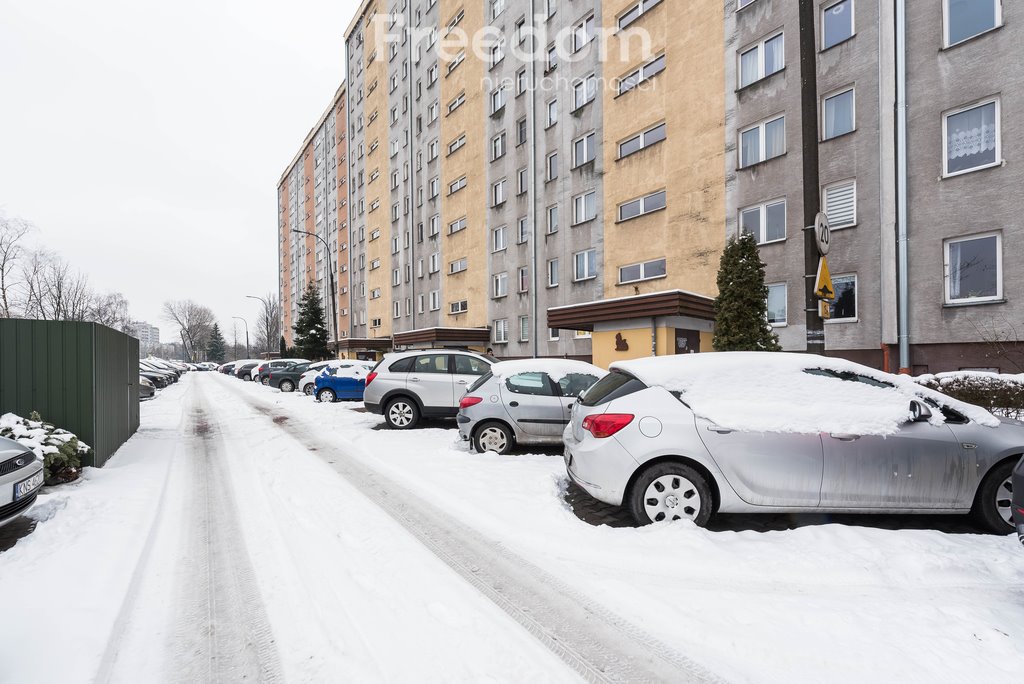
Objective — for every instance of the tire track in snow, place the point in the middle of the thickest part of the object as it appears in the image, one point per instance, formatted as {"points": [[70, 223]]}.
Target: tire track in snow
{"points": [[595, 642]]}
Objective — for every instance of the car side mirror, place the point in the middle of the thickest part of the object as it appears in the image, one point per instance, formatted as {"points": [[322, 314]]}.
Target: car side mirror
{"points": [[919, 412]]}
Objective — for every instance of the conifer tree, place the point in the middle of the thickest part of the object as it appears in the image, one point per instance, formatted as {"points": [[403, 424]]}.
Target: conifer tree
{"points": [[741, 308], [215, 347], [311, 327]]}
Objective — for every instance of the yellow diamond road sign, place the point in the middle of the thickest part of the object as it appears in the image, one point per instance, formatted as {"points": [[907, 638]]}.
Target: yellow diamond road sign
{"points": [[823, 287]]}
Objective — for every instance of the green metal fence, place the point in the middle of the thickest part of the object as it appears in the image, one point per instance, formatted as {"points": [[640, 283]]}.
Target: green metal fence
{"points": [[82, 377]]}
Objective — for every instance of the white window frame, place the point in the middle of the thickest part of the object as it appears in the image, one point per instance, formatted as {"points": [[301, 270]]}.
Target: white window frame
{"points": [[523, 279], [821, 23], [644, 276], [853, 111], [458, 265], [524, 328], [785, 299], [551, 164], [589, 89], [856, 300], [589, 141], [553, 272], [945, 23], [641, 75], [644, 211], [499, 285], [576, 219], [642, 7], [576, 277], [552, 227], [999, 268], [459, 307], [642, 137], [761, 141], [457, 144], [999, 137], [456, 185], [500, 331], [498, 146], [585, 29], [762, 220], [499, 239], [457, 225], [435, 300], [759, 46]]}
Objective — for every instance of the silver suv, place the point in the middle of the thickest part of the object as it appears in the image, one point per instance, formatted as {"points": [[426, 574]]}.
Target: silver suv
{"points": [[427, 383]]}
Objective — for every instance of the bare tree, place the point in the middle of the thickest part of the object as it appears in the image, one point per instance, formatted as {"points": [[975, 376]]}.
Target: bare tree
{"points": [[12, 233], [268, 324], [111, 310], [51, 291], [1003, 342], [194, 322]]}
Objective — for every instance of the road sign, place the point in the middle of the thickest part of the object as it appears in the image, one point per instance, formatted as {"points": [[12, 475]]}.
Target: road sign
{"points": [[822, 233], [823, 287], [824, 309]]}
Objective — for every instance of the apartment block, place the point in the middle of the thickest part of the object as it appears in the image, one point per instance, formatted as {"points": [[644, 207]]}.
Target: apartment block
{"points": [[963, 79], [313, 198], [148, 336]]}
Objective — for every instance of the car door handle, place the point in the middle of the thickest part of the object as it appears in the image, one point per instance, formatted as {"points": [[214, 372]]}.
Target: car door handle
{"points": [[460, 382], [414, 379], [719, 430], [843, 437], [513, 404]]}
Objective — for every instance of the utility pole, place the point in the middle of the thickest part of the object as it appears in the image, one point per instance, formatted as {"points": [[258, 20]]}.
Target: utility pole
{"points": [[809, 145], [246, 334]]}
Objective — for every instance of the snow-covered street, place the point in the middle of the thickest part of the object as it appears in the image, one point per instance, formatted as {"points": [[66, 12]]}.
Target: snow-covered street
{"points": [[248, 534]]}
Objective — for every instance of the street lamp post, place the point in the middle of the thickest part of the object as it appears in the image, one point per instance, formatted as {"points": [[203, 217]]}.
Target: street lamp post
{"points": [[334, 296], [246, 334], [266, 310]]}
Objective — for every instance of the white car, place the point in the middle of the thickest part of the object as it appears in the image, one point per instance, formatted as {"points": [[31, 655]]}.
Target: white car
{"points": [[21, 476], [307, 383]]}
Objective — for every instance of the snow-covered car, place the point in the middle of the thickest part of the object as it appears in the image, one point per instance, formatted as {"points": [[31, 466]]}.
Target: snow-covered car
{"points": [[425, 383], [692, 435], [147, 390], [1017, 483], [523, 402], [307, 383], [21, 476], [333, 384]]}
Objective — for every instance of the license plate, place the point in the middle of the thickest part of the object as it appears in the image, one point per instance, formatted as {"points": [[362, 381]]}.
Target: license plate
{"points": [[27, 486]]}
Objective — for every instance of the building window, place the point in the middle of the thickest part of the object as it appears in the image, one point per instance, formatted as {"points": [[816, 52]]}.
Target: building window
{"points": [[965, 19], [456, 185], [836, 23], [456, 226], [456, 61], [497, 100], [499, 285], [763, 141], [644, 205], [435, 300], [645, 271], [552, 334], [837, 114], [524, 230], [839, 202], [762, 60], [396, 309], [524, 328], [459, 100], [777, 304], [553, 272], [644, 73], [521, 82], [584, 208], [971, 138], [582, 33], [584, 91], [498, 146], [637, 10], [375, 322], [844, 306], [553, 219], [459, 307], [585, 265], [375, 293], [498, 193], [457, 266], [497, 52], [521, 131], [419, 303], [552, 58], [497, 7], [974, 269], [396, 277], [766, 222], [501, 331], [552, 166], [523, 276], [435, 225], [498, 242], [522, 179], [584, 150], [456, 145], [435, 262], [552, 112], [640, 141]]}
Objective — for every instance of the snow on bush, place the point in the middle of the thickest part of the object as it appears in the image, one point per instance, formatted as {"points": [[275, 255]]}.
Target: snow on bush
{"points": [[796, 393], [60, 450], [999, 393]]}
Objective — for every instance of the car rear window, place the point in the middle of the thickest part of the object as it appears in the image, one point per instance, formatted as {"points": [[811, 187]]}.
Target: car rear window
{"points": [[402, 365], [612, 386]]}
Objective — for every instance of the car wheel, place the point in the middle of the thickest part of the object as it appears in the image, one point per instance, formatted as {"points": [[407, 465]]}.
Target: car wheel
{"points": [[670, 491], [287, 386], [265, 381], [247, 378], [308, 389], [992, 504], [493, 437], [401, 413], [326, 395]]}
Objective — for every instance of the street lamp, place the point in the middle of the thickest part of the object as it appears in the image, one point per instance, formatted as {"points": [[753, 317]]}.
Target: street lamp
{"points": [[266, 310], [246, 334], [334, 296]]}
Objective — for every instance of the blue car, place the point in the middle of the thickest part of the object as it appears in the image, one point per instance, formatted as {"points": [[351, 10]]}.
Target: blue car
{"points": [[346, 383]]}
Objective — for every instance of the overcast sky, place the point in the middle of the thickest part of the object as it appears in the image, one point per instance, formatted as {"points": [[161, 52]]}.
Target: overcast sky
{"points": [[145, 140]]}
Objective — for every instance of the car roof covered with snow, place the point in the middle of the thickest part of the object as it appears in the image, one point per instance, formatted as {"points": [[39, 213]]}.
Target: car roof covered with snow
{"points": [[555, 368]]}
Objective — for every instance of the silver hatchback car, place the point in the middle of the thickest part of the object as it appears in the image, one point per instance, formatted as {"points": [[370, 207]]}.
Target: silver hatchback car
{"points": [[523, 402], [685, 437], [21, 476]]}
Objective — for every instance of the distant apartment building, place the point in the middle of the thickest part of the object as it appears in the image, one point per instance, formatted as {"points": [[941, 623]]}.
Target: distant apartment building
{"points": [[312, 197], [148, 336], [964, 88]]}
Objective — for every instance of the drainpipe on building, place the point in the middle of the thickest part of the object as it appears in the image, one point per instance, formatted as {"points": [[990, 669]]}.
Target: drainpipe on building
{"points": [[532, 165], [902, 241], [654, 336]]}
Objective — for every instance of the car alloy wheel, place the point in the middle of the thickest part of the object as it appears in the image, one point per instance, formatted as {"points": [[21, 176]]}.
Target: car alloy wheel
{"points": [[493, 437], [401, 414], [308, 389], [1004, 499], [992, 502], [287, 386], [326, 396]]}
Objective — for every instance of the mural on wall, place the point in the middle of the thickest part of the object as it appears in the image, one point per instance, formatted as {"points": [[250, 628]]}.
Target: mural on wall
{"points": [[621, 344]]}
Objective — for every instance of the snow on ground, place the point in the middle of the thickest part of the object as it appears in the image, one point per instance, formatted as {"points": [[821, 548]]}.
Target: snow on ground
{"points": [[821, 603]]}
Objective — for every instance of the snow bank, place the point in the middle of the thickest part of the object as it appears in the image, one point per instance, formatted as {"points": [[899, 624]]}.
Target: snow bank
{"points": [[771, 392], [555, 368]]}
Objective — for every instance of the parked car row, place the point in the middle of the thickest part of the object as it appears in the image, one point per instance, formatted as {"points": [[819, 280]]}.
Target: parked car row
{"points": [[156, 374], [326, 380]]}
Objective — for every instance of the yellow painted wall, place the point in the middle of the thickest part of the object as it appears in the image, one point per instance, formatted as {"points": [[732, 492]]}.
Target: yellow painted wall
{"points": [[639, 341]]}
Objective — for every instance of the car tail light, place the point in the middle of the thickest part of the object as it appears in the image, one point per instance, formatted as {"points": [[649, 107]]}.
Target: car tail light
{"points": [[370, 377], [606, 424], [466, 402]]}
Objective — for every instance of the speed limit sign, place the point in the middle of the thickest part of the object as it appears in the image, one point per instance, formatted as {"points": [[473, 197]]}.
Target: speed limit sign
{"points": [[821, 233]]}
